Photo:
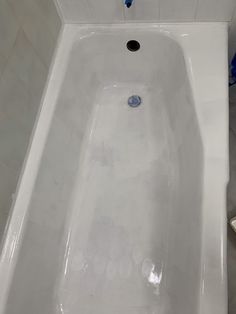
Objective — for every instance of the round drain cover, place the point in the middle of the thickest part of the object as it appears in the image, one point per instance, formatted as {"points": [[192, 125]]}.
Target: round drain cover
{"points": [[134, 101]]}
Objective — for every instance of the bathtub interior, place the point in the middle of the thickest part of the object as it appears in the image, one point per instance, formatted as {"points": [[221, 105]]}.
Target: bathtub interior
{"points": [[135, 172]]}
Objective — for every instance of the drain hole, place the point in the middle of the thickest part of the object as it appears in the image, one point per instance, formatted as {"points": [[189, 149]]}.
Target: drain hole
{"points": [[133, 45], [134, 101]]}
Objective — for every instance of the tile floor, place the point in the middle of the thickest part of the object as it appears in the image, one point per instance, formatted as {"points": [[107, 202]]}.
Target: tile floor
{"points": [[232, 205]]}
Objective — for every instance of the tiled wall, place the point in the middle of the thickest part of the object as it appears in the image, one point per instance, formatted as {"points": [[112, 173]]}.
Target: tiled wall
{"points": [[28, 35], [146, 10]]}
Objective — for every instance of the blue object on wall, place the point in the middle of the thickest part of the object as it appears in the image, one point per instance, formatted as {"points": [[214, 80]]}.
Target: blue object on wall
{"points": [[128, 3], [232, 78]]}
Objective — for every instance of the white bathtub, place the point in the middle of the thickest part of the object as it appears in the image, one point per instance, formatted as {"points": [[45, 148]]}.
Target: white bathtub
{"points": [[120, 209]]}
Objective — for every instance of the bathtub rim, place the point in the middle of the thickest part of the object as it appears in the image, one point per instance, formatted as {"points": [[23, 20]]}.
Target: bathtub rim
{"points": [[17, 220]]}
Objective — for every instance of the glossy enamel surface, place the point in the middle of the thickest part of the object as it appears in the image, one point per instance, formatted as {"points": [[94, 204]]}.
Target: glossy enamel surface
{"points": [[120, 209]]}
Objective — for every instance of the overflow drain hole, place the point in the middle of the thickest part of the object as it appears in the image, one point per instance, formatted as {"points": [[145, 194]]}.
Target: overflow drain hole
{"points": [[133, 45]]}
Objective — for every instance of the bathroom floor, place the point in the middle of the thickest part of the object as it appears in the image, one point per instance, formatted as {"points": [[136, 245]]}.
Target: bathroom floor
{"points": [[232, 205]]}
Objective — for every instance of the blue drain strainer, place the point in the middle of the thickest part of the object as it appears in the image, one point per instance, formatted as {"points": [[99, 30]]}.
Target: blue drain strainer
{"points": [[232, 77], [134, 101]]}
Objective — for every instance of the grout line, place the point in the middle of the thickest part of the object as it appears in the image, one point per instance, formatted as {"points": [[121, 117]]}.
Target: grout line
{"points": [[10, 54], [34, 49], [123, 13], [59, 11], [197, 4], [7, 58], [143, 23], [159, 10], [232, 130], [43, 19], [233, 15], [88, 8], [4, 59], [18, 20]]}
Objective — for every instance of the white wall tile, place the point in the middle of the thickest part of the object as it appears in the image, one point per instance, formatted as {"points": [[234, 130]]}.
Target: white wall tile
{"points": [[48, 10], [3, 61], [28, 33], [34, 21], [27, 66], [178, 10], [93, 11], [13, 97], [14, 110], [74, 10], [215, 10], [102, 11], [38, 10], [8, 28], [40, 38], [147, 10], [106, 11], [19, 8]]}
